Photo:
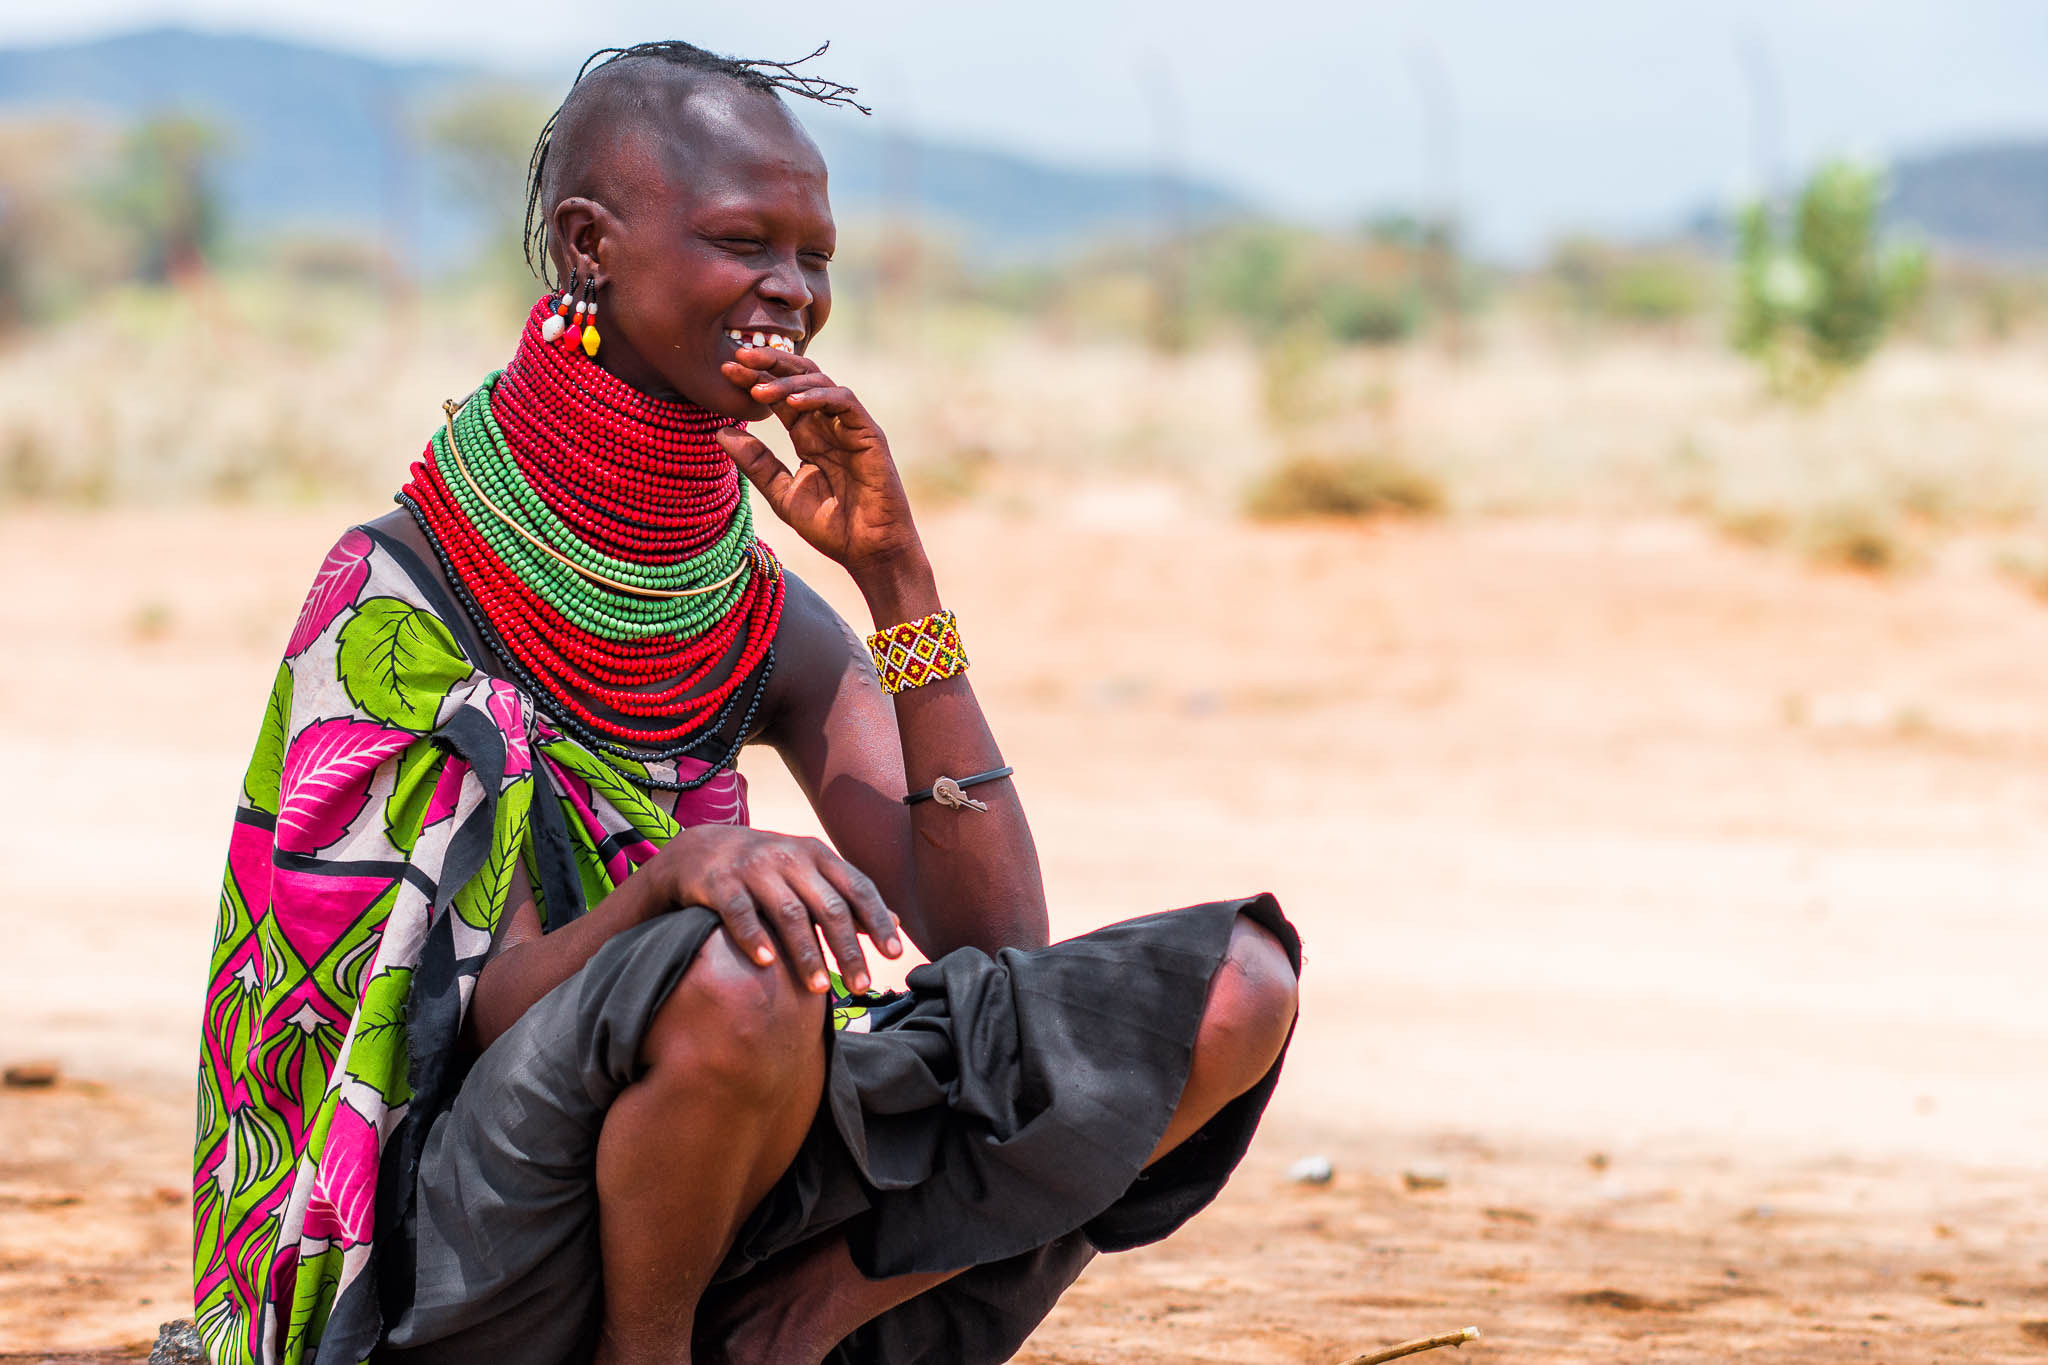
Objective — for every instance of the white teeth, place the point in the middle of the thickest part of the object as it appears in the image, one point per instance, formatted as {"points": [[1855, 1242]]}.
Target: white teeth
{"points": [[774, 341]]}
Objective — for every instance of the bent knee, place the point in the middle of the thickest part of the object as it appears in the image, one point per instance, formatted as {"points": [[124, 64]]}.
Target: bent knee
{"points": [[1252, 1003], [733, 1025]]}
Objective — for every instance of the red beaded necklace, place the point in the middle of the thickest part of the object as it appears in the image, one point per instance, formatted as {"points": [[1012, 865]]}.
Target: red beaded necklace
{"points": [[635, 478]]}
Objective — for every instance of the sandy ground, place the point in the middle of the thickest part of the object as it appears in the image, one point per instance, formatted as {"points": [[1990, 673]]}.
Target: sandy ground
{"points": [[1678, 907]]}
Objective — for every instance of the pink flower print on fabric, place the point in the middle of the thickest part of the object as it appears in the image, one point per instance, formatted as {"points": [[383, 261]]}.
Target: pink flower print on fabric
{"points": [[509, 711], [342, 1208], [721, 801], [327, 772], [340, 578], [447, 793]]}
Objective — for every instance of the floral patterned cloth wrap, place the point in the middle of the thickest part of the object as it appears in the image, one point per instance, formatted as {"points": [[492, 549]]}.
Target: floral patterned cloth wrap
{"points": [[392, 786]]}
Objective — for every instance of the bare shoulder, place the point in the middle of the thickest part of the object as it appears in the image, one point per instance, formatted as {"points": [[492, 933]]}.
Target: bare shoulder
{"points": [[812, 629], [815, 651]]}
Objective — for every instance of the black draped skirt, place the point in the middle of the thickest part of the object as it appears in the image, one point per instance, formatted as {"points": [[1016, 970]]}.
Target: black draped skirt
{"points": [[993, 1116]]}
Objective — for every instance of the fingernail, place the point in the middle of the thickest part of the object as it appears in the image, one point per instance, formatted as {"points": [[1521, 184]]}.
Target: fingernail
{"points": [[820, 982], [859, 984], [894, 947], [764, 956]]}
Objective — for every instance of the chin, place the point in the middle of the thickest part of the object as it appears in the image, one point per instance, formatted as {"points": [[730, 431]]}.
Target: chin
{"points": [[722, 397], [741, 409]]}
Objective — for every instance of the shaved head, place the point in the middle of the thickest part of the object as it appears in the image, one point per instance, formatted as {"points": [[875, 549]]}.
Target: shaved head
{"points": [[691, 210], [652, 114]]}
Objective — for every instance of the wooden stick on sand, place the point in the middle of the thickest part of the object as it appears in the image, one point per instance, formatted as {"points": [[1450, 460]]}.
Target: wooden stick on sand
{"points": [[1409, 1348]]}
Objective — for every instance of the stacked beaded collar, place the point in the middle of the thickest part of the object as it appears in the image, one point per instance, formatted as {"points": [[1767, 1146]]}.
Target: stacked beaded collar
{"points": [[603, 542]]}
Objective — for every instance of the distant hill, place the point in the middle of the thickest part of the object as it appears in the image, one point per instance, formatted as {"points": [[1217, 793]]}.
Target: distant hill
{"points": [[314, 137], [1990, 198], [317, 137], [1004, 201]]}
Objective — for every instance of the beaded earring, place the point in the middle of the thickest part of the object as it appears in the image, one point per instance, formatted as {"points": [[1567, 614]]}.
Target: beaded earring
{"points": [[573, 338], [589, 306], [553, 328]]}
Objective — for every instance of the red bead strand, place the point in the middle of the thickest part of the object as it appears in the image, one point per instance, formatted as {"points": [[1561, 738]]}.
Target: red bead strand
{"points": [[639, 479]]}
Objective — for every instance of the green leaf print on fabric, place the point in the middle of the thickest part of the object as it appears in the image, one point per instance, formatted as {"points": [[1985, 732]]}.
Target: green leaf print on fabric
{"points": [[282, 969], [631, 767], [398, 662], [377, 1057], [319, 1278], [339, 975], [319, 1275], [481, 901], [306, 1062], [405, 810], [266, 765], [231, 926], [590, 871], [606, 781]]}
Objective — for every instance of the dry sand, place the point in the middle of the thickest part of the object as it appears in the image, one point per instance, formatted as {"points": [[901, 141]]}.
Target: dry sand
{"points": [[1680, 907]]}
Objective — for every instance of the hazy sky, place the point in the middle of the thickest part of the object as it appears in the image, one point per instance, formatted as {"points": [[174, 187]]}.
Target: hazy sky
{"points": [[1613, 115]]}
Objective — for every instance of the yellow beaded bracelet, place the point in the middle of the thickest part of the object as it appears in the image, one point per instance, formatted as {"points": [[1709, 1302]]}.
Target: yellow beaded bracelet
{"points": [[926, 650]]}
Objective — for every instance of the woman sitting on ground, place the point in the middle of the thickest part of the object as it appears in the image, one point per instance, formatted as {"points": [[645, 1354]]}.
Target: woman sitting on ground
{"points": [[520, 1045]]}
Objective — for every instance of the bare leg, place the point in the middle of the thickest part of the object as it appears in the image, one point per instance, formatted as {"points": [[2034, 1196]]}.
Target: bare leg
{"points": [[799, 1308], [736, 1067]]}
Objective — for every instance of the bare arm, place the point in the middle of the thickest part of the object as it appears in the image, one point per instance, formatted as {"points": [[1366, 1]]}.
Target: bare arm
{"points": [[956, 877]]}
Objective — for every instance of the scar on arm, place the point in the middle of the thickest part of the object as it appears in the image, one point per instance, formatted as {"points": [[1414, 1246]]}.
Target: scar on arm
{"points": [[863, 660]]}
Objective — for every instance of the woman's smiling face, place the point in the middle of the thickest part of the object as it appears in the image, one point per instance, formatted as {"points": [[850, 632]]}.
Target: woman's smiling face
{"points": [[709, 223]]}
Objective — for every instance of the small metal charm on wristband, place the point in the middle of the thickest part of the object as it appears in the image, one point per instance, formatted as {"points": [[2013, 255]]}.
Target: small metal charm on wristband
{"points": [[950, 791], [919, 652]]}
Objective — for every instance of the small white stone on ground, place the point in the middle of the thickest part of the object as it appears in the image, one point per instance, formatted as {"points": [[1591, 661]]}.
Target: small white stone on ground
{"points": [[1312, 1170]]}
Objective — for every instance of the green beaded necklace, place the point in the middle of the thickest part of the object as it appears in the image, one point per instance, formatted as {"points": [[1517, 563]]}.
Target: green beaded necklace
{"points": [[696, 592]]}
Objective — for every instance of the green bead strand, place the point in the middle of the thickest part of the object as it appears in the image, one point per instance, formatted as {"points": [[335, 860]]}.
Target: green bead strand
{"points": [[590, 606]]}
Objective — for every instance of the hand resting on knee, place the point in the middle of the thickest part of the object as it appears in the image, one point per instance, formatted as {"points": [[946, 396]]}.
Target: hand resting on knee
{"points": [[776, 894]]}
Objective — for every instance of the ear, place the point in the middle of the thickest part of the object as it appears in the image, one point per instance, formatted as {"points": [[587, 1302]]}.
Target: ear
{"points": [[579, 228]]}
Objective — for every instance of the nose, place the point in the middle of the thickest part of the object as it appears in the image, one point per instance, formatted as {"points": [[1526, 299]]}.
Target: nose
{"points": [[785, 285]]}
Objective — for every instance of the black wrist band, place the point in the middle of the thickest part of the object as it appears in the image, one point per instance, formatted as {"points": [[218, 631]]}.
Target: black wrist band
{"points": [[991, 775]]}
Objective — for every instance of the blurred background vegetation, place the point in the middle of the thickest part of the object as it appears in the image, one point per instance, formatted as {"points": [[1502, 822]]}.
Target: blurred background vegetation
{"points": [[201, 299]]}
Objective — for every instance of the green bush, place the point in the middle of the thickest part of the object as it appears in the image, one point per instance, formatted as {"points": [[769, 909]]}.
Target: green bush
{"points": [[1352, 486], [1356, 311], [1821, 301]]}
